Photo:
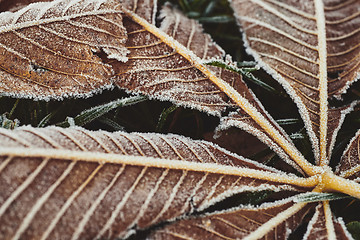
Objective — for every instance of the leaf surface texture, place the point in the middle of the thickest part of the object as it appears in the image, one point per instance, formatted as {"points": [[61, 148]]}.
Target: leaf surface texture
{"points": [[48, 50], [323, 225], [269, 221], [349, 165], [301, 48], [169, 63], [77, 184], [102, 184]]}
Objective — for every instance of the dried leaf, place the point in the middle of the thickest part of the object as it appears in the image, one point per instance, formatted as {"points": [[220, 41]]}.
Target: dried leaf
{"points": [[243, 121], [301, 44], [77, 184], [15, 5], [324, 226], [146, 9], [168, 64], [156, 69], [165, 63], [342, 31], [48, 50], [268, 221], [349, 165]]}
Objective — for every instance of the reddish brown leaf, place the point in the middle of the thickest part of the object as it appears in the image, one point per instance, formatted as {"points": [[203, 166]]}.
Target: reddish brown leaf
{"points": [[15, 5], [76, 184], [302, 44], [268, 221], [48, 50], [318, 227], [168, 72], [349, 165]]}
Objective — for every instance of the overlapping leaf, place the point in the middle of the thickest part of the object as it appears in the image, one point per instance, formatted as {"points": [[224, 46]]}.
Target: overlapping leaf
{"points": [[157, 69], [169, 64], [324, 226], [349, 164], [76, 184], [48, 50], [342, 31], [164, 63], [269, 221], [15, 5], [302, 45]]}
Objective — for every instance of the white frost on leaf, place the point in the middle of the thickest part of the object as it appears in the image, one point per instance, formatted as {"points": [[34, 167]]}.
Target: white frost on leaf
{"points": [[227, 122], [289, 89], [44, 27]]}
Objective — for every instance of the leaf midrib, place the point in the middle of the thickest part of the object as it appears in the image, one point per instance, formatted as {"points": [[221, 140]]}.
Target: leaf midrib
{"points": [[323, 91], [229, 91], [144, 161]]}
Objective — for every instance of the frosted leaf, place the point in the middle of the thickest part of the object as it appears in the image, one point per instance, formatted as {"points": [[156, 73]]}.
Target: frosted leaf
{"points": [[146, 9], [169, 63], [303, 45], [15, 5], [319, 229], [242, 120], [268, 221], [76, 184], [156, 69], [49, 50], [189, 33], [349, 165]]}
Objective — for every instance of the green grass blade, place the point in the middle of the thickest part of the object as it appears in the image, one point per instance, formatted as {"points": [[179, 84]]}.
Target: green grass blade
{"points": [[111, 123], [245, 72], [163, 116], [216, 19], [317, 197], [91, 114]]}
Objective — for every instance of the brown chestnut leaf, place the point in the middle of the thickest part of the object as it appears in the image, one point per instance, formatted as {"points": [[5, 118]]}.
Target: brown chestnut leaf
{"points": [[77, 184], [49, 50], [304, 46]]}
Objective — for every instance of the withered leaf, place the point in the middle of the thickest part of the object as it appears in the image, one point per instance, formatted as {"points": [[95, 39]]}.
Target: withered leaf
{"points": [[302, 45], [77, 184], [157, 69], [15, 5], [165, 63], [349, 165], [49, 50], [146, 9], [247, 222], [169, 63], [324, 226]]}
